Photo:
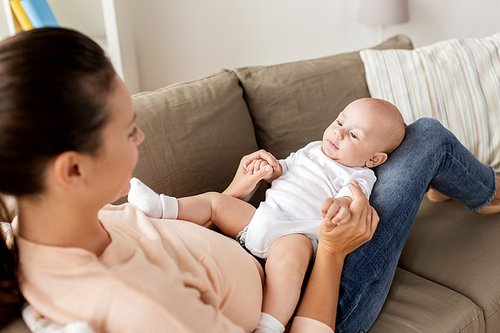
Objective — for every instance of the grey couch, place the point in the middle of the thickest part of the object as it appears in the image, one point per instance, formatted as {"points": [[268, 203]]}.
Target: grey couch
{"points": [[448, 278]]}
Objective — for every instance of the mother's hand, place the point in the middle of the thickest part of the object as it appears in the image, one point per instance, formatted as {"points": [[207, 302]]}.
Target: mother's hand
{"points": [[244, 184], [340, 240], [320, 299]]}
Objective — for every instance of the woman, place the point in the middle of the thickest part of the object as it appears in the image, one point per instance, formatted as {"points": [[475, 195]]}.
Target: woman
{"points": [[68, 143], [68, 147]]}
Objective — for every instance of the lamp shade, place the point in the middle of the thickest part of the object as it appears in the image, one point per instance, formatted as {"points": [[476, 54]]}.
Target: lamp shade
{"points": [[383, 12]]}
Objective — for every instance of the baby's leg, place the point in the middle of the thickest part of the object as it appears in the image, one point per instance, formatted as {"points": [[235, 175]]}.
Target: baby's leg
{"points": [[287, 262], [229, 214]]}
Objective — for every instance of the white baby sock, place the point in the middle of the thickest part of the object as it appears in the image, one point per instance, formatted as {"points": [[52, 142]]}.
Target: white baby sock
{"points": [[269, 324], [170, 207], [152, 204]]}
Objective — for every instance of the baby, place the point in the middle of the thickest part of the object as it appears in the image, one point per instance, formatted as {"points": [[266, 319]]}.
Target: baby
{"points": [[308, 186]]}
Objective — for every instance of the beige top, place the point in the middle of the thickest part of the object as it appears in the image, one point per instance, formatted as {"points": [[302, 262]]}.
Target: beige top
{"points": [[155, 276]]}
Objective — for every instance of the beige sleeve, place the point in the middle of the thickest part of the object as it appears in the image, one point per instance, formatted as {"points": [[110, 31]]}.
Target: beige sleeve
{"points": [[308, 325]]}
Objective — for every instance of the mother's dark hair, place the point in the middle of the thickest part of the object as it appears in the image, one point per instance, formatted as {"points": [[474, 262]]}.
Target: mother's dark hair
{"points": [[54, 85]]}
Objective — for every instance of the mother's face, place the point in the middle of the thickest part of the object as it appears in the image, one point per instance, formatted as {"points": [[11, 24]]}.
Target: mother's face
{"points": [[118, 154]]}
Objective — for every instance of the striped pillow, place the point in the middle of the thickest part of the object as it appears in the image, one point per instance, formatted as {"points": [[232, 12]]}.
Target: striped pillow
{"points": [[456, 81]]}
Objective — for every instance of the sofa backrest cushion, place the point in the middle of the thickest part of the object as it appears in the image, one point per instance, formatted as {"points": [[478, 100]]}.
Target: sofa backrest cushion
{"points": [[456, 81], [293, 103], [196, 134]]}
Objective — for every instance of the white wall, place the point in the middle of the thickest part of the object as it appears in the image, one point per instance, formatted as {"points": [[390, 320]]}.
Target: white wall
{"points": [[83, 15], [179, 40], [186, 39]]}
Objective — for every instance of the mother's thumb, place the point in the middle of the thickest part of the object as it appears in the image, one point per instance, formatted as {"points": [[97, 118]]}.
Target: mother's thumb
{"points": [[327, 225], [356, 191], [264, 172]]}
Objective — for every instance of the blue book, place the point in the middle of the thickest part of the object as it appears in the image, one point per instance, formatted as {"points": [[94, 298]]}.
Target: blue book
{"points": [[39, 13]]}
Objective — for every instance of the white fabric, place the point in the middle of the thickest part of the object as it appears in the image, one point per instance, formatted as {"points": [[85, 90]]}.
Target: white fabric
{"points": [[152, 204], [269, 324], [293, 202], [145, 199], [456, 81], [38, 324], [308, 325], [170, 207]]}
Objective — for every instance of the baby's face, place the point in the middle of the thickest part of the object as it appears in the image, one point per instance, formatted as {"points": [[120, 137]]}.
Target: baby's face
{"points": [[355, 136]]}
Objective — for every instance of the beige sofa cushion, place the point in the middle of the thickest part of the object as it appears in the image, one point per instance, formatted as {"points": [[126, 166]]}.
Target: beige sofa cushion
{"points": [[460, 249], [196, 134], [418, 305], [293, 103]]}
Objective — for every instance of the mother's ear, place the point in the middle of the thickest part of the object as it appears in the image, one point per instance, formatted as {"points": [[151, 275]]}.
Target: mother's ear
{"points": [[376, 160], [69, 170]]}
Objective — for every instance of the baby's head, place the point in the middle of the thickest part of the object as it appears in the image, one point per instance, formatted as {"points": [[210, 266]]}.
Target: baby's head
{"points": [[364, 134]]}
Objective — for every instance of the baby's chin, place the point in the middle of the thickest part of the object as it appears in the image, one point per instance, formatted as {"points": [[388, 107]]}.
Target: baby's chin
{"points": [[341, 162]]}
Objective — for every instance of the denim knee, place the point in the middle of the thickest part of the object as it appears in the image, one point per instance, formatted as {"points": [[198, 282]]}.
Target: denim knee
{"points": [[431, 123], [434, 138], [431, 127], [459, 174]]}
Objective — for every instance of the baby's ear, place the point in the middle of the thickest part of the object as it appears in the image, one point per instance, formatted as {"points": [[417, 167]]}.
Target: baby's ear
{"points": [[376, 160]]}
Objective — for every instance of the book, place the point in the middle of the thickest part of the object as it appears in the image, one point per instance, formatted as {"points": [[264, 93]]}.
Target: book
{"points": [[20, 15], [39, 13]]}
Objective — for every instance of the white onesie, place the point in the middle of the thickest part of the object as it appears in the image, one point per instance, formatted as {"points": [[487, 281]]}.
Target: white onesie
{"points": [[293, 202]]}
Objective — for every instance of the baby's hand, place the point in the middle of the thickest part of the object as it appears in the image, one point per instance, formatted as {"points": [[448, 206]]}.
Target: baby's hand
{"points": [[262, 160], [257, 165], [335, 210]]}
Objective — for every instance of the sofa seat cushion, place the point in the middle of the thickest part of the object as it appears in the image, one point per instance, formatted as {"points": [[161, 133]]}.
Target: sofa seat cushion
{"points": [[293, 103], [196, 134], [460, 249], [418, 305], [17, 326]]}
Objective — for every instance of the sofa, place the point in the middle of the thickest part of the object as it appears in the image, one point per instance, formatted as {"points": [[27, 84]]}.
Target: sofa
{"points": [[448, 276]]}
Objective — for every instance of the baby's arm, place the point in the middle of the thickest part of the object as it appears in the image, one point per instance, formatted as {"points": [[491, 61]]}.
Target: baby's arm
{"points": [[336, 209]]}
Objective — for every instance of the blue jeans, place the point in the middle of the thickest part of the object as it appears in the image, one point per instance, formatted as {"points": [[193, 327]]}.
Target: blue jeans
{"points": [[429, 155]]}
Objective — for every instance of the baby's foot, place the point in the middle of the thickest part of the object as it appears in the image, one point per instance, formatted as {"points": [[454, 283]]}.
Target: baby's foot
{"points": [[145, 199]]}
